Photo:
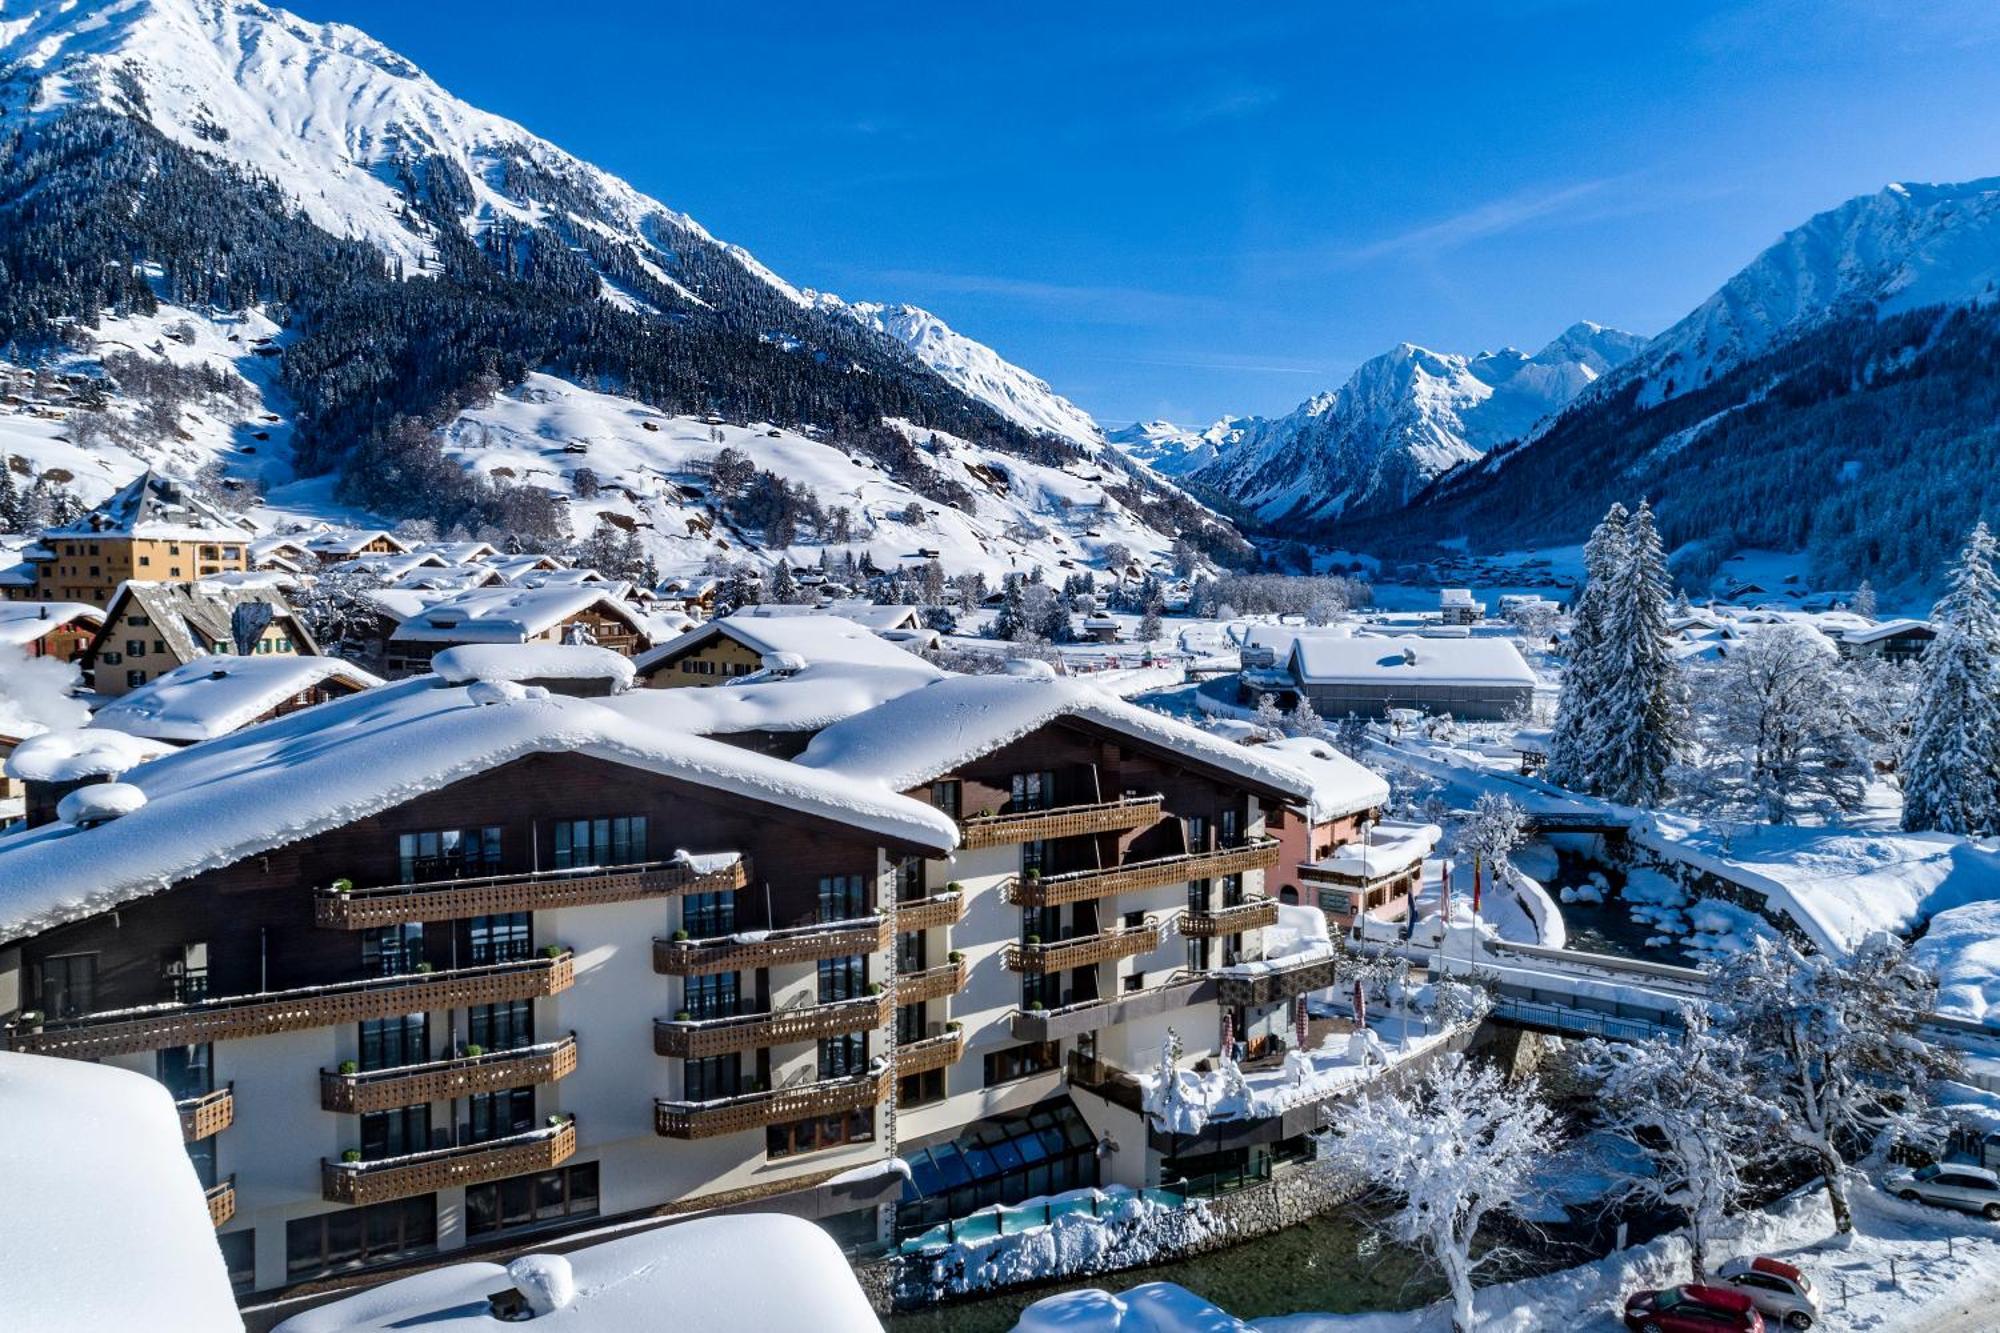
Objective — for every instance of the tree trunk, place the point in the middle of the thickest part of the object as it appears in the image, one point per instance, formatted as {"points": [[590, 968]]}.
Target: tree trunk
{"points": [[1836, 1194], [1456, 1261], [1698, 1249]]}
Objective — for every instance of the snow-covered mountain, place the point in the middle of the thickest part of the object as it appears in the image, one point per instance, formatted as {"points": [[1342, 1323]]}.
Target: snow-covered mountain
{"points": [[219, 157], [1401, 419], [976, 369], [1901, 248], [1175, 451]]}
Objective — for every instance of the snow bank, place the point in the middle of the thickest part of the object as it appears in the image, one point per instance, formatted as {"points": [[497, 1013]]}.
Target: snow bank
{"points": [[1962, 949], [1125, 1230], [1153, 1307], [762, 1271], [71, 756], [108, 1228]]}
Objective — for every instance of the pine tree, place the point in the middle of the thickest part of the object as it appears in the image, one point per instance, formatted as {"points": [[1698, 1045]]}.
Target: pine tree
{"points": [[1864, 600], [1952, 763], [10, 498], [1644, 714], [1576, 745]]}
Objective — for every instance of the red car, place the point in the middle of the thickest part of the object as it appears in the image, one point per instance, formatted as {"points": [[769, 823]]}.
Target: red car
{"points": [[1692, 1309]]}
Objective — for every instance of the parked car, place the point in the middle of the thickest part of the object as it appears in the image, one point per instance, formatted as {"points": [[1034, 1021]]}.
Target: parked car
{"points": [[1948, 1185], [1694, 1308], [1782, 1294]]}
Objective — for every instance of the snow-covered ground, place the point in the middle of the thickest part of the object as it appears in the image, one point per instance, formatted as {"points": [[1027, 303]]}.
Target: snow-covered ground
{"points": [[1945, 1279]]}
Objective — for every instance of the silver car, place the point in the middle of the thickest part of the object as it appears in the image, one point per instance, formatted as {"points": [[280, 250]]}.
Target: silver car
{"points": [[1785, 1296], [1948, 1185]]}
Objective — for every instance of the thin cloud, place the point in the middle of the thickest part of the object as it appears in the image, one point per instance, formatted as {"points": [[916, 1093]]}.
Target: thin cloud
{"points": [[1226, 104], [1494, 218], [1136, 304]]}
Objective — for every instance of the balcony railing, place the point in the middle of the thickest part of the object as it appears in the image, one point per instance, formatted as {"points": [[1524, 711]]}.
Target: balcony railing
{"points": [[1065, 821], [130, 1031], [1095, 1015], [940, 909], [1231, 920], [1084, 950], [440, 1080], [543, 890], [933, 983], [221, 1202], [941, 1051], [753, 1110], [746, 950], [207, 1115], [1078, 885], [696, 1039], [1276, 979], [427, 1172]]}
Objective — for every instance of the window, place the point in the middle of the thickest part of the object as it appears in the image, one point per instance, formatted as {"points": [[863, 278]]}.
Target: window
{"points": [[600, 842], [948, 797], [350, 1238], [187, 1071], [393, 1133], [920, 1089], [716, 1076], [712, 996], [495, 1115], [909, 879], [239, 1256], [69, 985], [134, 679], [135, 647], [1035, 855], [1032, 791], [387, 1043], [390, 951], [1021, 1061], [911, 951], [1232, 827], [842, 978], [844, 1055], [448, 854], [840, 897], [819, 1133], [706, 914], [506, 1026], [501, 938], [1197, 833], [531, 1200]]}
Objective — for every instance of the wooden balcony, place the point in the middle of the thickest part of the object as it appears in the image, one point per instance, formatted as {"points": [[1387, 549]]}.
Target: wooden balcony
{"points": [[933, 983], [697, 1039], [1084, 950], [207, 1115], [130, 1031], [1109, 1011], [1066, 821], [942, 1051], [754, 1110], [1231, 920], [1078, 885], [221, 1202], [427, 1172], [940, 909], [453, 899], [1278, 979], [441, 1080], [748, 950]]}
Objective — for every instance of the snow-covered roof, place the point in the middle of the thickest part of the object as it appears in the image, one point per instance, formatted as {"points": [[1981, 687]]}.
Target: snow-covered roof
{"points": [[1888, 629], [816, 696], [1456, 597], [26, 622], [1389, 848], [1340, 786], [157, 507], [213, 696], [505, 615], [1327, 659], [460, 553], [865, 614], [192, 616], [320, 768], [72, 754], [917, 736], [765, 1271], [118, 1235], [532, 661], [349, 541], [823, 638]]}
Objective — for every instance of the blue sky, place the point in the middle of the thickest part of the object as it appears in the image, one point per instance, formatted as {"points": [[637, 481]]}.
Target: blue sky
{"points": [[1168, 212]]}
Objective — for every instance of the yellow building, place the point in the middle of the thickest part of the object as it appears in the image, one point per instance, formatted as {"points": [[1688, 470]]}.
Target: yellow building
{"points": [[154, 530]]}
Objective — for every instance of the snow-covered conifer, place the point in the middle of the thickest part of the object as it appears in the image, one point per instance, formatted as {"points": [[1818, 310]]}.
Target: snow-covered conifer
{"points": [[1270, 718], [1576, 746], [1951, 767], [1304, 719], [1643, 712]]}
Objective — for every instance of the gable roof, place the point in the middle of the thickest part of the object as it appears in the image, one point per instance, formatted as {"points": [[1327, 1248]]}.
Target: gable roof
{"points": [[815, 638], [296, 776], [1324, 659], [866, 614], [506, 614], [349, 541], [23, 623], [1340, 785], [926, 733], [191, 616], [1889, 629], [213, 696], [154, 505]]}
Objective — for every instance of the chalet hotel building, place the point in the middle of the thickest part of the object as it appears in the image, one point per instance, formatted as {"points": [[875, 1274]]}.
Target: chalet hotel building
{"points": [[442, 967]]}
